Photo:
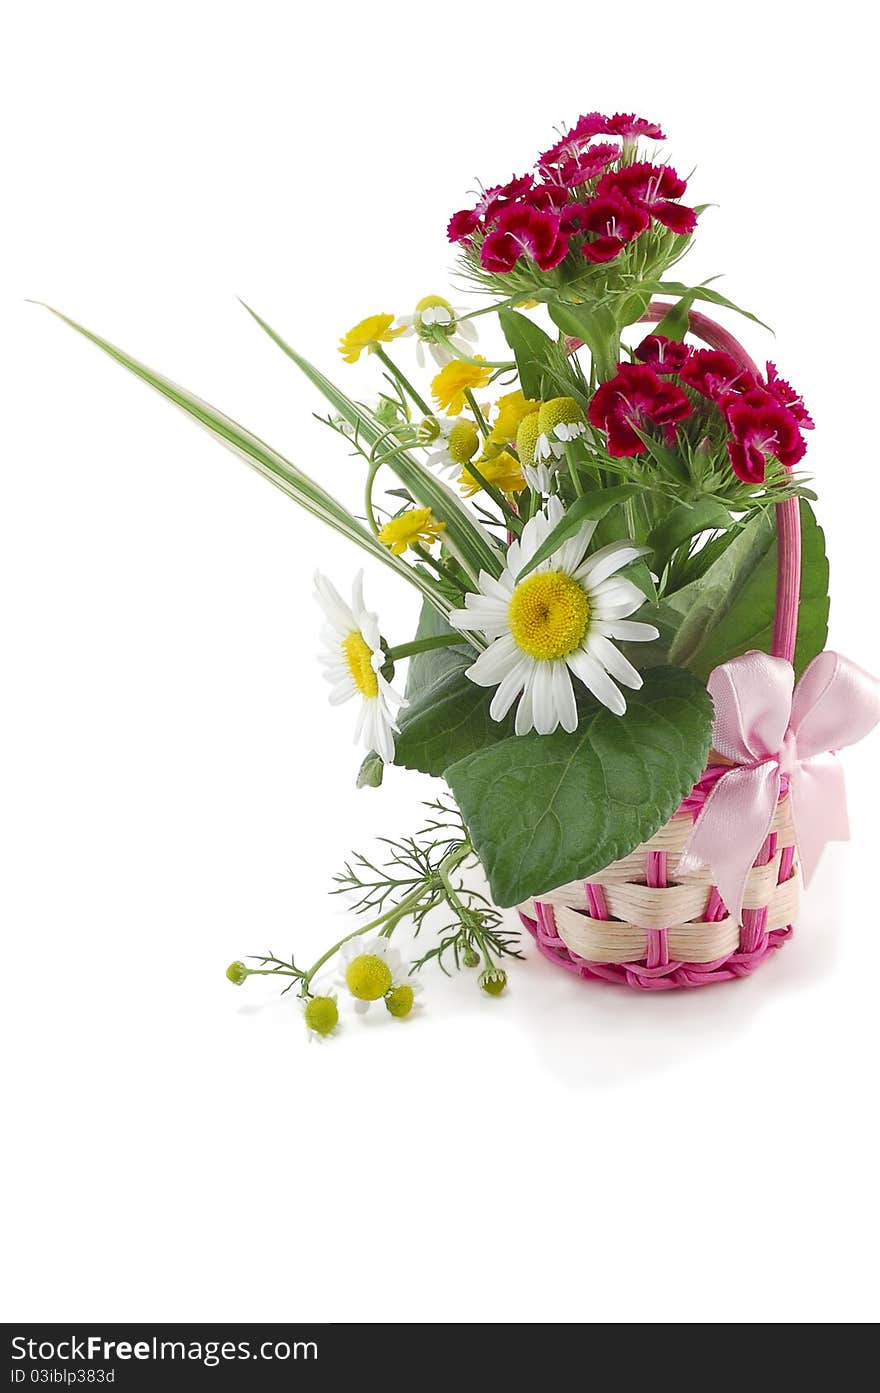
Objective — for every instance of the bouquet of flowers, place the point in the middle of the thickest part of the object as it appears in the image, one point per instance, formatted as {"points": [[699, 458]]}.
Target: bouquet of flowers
{"points": [[622, 578]]}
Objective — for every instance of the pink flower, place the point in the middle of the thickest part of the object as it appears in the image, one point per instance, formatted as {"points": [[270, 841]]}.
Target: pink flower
{"points": [[465, 223], [786, 395], [524, 231], [636, 398], [714, 374], [629, 127], [613, 221], [652, 187], [582, 167], [662, 354], [759, 430]]}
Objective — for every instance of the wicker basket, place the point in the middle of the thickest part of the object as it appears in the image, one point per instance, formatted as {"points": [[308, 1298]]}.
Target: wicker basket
{"points": [[636, 922]]}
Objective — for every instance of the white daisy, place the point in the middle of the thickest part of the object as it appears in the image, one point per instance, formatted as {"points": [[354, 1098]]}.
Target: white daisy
{"points": [[558, 621], [352, 663], [369, 968], [560, 421], [436, 323]]}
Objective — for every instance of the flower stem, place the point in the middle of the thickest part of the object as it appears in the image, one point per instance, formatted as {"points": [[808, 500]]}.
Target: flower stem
{"points": [[422, 645], [482, 423], [476, 362], [404, 381], [386, 921], [572, 469]]}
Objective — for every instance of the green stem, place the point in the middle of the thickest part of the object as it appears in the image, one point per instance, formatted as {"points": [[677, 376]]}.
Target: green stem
{"points": [[573, 470], [404, 381], [440, 567], [476, 362], [368, 496], [482, 424], [495, 494], [388, 920], [422, 645], [445, 869]]}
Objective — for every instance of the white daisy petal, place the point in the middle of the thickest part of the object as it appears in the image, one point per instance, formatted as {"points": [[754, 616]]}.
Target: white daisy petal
{"points": [[607, 560], [613, 661], [596, 680], [509, 689], [545, 717], [495, 663], [524, 720], [564, 698], [629, 630], [616, 599]]}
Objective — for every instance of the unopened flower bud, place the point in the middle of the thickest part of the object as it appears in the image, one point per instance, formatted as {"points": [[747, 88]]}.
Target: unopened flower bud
{"points": [[493, 980], [237, 973]]}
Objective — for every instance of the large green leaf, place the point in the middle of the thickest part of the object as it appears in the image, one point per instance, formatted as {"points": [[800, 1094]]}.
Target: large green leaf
{"points": [[542, 810], [685, 521], [730, 609], [532, 349], [429, 668], [447, 720]]}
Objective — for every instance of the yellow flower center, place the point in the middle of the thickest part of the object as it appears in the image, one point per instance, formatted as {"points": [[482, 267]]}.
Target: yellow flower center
{"points": [[322, 1015], [368, 977], [399, 1001], [463, 442], [359, 656], [548, 615]]}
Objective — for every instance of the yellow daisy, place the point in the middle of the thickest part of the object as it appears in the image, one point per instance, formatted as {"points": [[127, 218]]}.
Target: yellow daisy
{"points": [[416, 525], [510, 410], [376, 328], [451, 383], [502, 470]]}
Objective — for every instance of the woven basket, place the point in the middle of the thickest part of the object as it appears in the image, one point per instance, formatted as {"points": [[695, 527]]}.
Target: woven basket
{"points": [[637, 922]]}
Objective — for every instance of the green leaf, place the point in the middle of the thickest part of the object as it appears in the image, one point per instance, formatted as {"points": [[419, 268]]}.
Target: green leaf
{"points": [[446, 721], [589, 507], [429, 668], [543, 810], [266, 461], [730, 608], [531, 347], [684, 522], [371, 772], [700, 292], [462, 530], [676, 322]]}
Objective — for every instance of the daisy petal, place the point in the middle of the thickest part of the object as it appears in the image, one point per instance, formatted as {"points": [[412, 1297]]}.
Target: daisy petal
{"points": [[508, 690], [596, 680], [563, 698], [607, 560], [629, 630], [494, 663], [613, 661]]}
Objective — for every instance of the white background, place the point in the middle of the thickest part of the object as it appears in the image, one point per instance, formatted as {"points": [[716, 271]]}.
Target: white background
{"points": [[176, 792]]}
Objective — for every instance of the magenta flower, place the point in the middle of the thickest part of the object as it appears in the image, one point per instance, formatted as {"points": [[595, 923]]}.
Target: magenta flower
{"points": [[636, 398], [630, 127], [652, 187], [761, 430], [524, 231], [581, 168], [786, 395], [465, 223], [613, 221], [664, 355], [714, 374]]}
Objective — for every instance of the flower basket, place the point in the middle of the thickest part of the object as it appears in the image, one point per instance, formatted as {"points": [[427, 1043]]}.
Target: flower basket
{"points": [[639, 922]]}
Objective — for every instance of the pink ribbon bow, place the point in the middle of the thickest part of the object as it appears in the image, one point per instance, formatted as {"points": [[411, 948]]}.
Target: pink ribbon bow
{"points": [[772, 730]]}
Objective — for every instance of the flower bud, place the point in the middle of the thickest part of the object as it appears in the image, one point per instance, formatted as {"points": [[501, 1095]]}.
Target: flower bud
{"points": [[237, 973], [321, 1014], [399, 1001], [470, 957], [493, 980]]}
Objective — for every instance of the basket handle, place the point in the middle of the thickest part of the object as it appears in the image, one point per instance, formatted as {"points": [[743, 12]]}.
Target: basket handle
{"points": [[788, 514]]}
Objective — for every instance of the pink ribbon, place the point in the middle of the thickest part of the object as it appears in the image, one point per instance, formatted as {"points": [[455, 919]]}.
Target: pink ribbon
{"points": [[772, 730]]}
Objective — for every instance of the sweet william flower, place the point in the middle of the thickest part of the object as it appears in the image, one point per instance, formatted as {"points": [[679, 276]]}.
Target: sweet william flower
{"points": [[611, 221], [375, 329], [555, 624], [665, 356], [715, 374], [651, 187], [761, 429], [630, 402], [786, 396], [352, 662], [465, 223], [457, 377], [524, 231], [415, 526]]}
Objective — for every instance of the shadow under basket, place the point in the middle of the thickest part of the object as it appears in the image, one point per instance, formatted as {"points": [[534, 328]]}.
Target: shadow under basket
{"points": [[636, 922]]}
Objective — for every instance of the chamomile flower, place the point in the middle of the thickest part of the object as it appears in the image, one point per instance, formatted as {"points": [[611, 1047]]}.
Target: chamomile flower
{"points": [[352, 663], [560, 421], [537, 475], [375, 329], [321, 1017], [416, 525], [437, 324], [503, 470], [449, 386], [403, 999], [456, 442], [369, 969], [558, 622]]}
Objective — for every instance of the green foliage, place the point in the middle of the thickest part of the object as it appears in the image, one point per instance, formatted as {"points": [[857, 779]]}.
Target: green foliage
{"points": [[589, 507], [532, 349], [544, 810], [730, 609]]}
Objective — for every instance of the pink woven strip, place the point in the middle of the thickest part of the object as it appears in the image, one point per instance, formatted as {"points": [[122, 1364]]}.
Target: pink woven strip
{"points": [[657, 954]]}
